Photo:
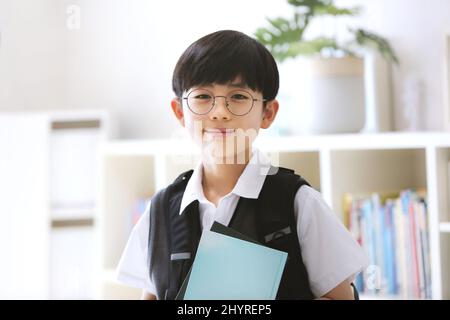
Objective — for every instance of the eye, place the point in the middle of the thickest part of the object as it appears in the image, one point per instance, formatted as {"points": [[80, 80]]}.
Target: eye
{"points": [[239, 96], [202, 96]]}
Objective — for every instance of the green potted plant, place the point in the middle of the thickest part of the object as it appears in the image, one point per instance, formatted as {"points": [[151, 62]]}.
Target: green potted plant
{"points": [[339, 100]]}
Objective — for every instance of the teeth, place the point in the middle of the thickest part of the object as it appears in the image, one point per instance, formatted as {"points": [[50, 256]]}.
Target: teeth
{"points": [[219, 130]]}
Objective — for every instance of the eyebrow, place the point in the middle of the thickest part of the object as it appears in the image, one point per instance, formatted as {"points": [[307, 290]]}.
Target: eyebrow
{"points": [[238, 85], [241, 85]]}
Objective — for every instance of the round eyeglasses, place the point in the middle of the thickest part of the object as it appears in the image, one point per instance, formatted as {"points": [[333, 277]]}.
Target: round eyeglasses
{"points": [[238, 102]]}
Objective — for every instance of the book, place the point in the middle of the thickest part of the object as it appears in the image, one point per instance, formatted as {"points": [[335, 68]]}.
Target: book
{"points": [[219, 228], [228, 265], [392, 229]]}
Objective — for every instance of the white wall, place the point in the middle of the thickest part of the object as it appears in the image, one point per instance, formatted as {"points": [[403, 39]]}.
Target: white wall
{"points": [[124, 52], [32, 66], [416, 30]]}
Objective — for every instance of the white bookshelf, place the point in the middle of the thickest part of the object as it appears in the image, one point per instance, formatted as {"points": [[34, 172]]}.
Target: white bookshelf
{"points": [[445, 227], [333, 164], [48, 211]]}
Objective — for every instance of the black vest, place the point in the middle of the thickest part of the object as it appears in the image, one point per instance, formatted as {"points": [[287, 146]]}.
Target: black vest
{"points": [[270, 220]]}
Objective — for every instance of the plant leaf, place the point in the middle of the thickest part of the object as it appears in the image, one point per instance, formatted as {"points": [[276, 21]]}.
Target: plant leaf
{"points": [[284, 37], [366, 38], [335, 11], [307, 48]]}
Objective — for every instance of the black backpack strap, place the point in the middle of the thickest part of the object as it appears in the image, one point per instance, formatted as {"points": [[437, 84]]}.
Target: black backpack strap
{"points": [[277, 204], [277, 229], [355, 291], [163, 247], [158, 247]]}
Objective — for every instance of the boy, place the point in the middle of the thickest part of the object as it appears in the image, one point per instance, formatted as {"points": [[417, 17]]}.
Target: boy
{"points": [[225, 85]]}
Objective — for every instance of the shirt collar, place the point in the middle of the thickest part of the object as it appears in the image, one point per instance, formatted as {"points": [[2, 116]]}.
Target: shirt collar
{"points": [[249, 184]]}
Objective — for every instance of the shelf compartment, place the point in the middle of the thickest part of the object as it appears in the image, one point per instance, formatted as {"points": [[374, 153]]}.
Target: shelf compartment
{"points": [[174, 165], [305, 164], [367, 171], [73, 164], [125, 180], [72, 263]]}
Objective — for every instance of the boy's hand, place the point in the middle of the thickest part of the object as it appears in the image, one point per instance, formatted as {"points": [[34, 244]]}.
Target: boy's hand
{"points": [[147, 296], [342, 291]]}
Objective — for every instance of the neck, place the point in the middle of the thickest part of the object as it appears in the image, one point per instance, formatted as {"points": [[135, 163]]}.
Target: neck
{"points": [[220, 177]]}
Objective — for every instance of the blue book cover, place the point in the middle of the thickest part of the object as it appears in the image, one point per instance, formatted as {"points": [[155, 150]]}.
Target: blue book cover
{"points": [[226, 267]]}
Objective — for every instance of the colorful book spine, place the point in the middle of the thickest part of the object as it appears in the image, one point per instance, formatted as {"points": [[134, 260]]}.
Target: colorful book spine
{"points": [[135, 212], [393, 230]]}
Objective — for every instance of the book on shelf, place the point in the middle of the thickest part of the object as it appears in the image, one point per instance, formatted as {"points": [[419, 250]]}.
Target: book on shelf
{"points": [[392, 228], [136, 210]]}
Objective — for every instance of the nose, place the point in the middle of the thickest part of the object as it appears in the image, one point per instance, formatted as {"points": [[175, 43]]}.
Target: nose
{"points": [[220, 110]]}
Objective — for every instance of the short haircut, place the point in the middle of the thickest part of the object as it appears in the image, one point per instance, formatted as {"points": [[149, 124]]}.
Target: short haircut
{"points": [[222, 56]]}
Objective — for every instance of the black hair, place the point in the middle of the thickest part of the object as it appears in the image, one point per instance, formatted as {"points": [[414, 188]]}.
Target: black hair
{"points": [[222, 56]]}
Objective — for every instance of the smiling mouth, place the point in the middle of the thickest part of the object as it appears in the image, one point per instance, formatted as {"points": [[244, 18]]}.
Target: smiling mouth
{"points": [[219, 131]]}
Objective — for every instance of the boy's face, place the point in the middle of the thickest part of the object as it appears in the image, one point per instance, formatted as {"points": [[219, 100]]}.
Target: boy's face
{"points": [[221, 133]]}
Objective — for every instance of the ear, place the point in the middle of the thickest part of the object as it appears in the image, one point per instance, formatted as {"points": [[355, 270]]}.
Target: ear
{"points": [[269, 114], [177, 109]]}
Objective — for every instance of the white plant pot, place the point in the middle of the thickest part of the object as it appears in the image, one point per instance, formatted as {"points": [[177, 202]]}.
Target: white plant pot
{"points": [[332, 96], [339, 95]]}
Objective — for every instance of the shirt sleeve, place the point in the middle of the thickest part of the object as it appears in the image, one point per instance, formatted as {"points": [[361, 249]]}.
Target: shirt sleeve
{"points": [[132, 269], [329, 251]]}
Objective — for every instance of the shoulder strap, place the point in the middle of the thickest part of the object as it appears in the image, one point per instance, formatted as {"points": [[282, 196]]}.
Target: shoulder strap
{"points": [[159, 240], [277, 201], [274, 235], [277, 229]]}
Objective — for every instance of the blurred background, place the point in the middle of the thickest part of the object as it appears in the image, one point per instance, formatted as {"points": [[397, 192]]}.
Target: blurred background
{"points": [[85, 90]]}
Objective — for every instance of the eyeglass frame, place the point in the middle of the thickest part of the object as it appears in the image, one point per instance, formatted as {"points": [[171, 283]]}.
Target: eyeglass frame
{"points": [[226, 102]]}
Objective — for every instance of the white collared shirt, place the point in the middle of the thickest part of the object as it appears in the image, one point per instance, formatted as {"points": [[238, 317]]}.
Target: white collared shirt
{"points": [[329, 252], [248, 185]]}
